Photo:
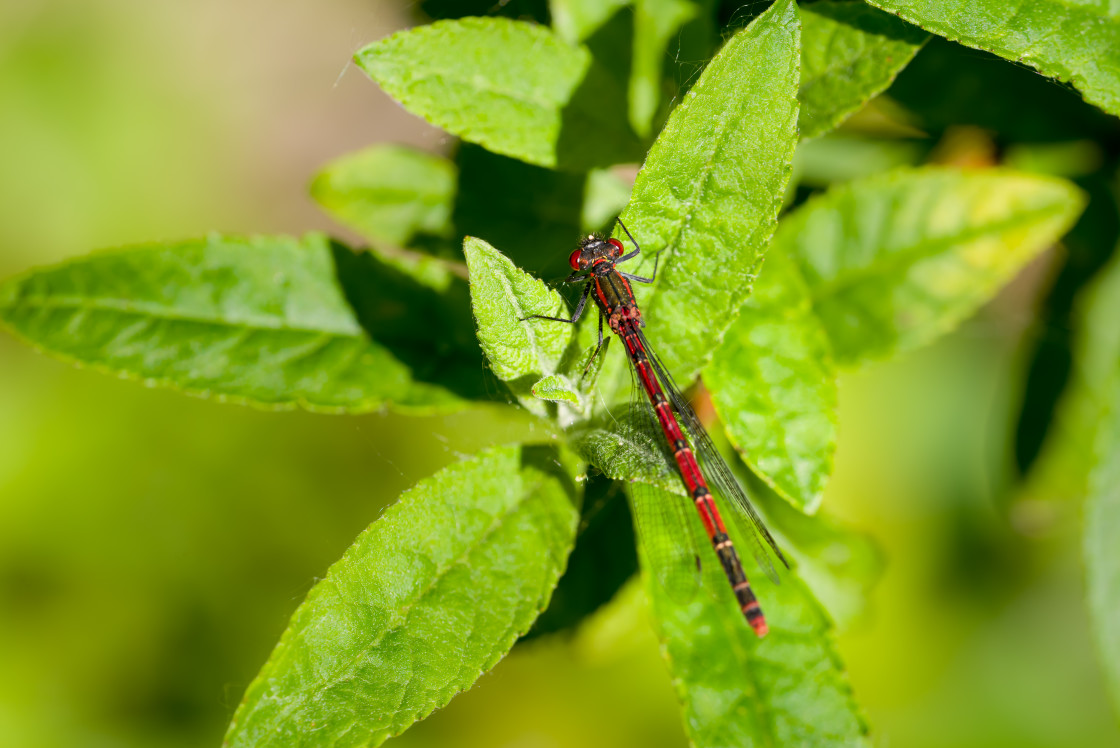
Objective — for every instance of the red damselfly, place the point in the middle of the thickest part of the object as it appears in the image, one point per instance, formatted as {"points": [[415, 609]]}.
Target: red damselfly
{"points": [[594, 263]]}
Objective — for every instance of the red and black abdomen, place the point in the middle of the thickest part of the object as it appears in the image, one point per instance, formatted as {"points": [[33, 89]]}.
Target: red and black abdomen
{"points": [[692, 476]]}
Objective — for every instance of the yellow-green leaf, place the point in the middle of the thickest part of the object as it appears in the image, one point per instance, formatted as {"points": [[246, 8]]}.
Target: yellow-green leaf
{"points": [[896, 259]]}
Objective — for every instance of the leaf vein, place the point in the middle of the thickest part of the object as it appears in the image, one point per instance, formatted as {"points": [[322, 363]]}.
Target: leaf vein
{"points": [[163, 313]]}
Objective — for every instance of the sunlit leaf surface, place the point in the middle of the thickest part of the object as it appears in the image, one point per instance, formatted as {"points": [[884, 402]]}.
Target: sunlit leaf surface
{"points": [[514, 88], [774, 386], [788, 688], [849, 53], [427, 599], [1074, 41], [521, 351], [273, 321], [712, 185]]}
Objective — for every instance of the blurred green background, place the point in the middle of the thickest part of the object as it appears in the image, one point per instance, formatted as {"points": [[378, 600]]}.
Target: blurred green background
{"points": [[152, 546]]}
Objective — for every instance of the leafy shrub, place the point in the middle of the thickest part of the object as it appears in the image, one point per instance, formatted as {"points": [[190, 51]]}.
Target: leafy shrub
{"points": [[894, 254]]}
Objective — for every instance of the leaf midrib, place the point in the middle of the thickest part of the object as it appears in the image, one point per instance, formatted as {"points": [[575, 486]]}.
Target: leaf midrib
{"points": [[540, 351], [704, 176], [152, 311]]}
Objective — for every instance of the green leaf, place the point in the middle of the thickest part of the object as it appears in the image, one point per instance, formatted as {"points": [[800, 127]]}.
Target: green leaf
{"points": [[840, 565], [389, 193], [1067, 459], [849, 54], [894, 260], [556, 389], [605, 196], [870, 268], [838, 158], [277, 322], [1082, 458], [427, 599], [1075, 42], [603, 560], [789, 688], [575, 20], [655, 23], [1102, 524], [514, 88], [521, 351], [773, 384], [535, 215], [713, 183]]}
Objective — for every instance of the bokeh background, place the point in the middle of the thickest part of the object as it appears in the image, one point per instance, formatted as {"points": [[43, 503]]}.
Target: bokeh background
{"points": [[152, 546]]}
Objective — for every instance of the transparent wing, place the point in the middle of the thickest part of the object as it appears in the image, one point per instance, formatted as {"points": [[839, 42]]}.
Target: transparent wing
{"points": [[668, 549], [722, 482], [660, 516]]}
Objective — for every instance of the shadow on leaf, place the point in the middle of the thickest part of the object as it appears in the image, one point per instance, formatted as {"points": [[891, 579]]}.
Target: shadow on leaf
{"points": [[603, 559], [531, 213], [429, 330], [594, 126]]}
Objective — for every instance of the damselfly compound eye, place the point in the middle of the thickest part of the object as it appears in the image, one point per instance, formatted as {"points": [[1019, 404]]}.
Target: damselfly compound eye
{"points": [[617, 245], [573, 259]]}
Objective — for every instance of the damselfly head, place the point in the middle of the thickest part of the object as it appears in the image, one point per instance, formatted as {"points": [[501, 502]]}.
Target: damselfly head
{"points": [[593, 249]]}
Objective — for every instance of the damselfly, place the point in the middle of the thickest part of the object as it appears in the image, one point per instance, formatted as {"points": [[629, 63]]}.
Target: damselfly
{"points": [[594, 264]]}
